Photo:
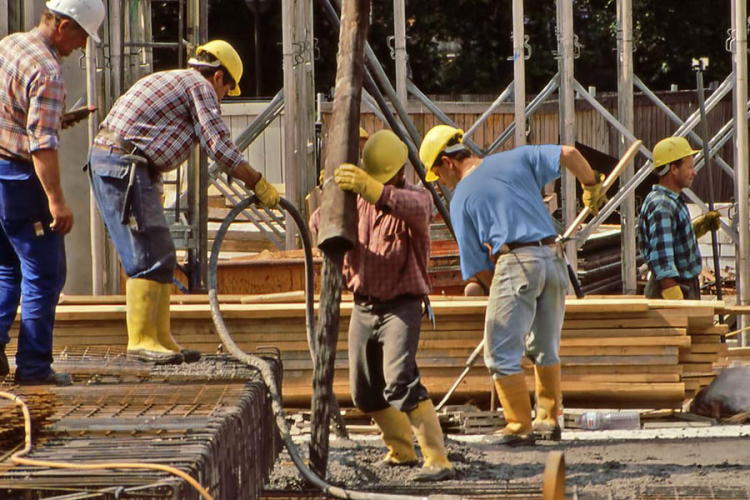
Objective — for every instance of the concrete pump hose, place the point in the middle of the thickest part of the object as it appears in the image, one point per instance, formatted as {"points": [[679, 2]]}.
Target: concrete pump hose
{"points": [[262, 365]]}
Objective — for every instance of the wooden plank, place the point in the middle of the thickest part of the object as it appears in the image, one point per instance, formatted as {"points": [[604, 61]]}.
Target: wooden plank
{"points": [[680, 341], [698, 358], [708, 348], [656, 322]]}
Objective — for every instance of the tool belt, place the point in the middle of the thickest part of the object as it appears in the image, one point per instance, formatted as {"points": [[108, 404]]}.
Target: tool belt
{"points": [[118, 142], [509, 247]]}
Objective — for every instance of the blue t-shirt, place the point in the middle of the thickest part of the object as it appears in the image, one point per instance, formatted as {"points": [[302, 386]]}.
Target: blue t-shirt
{"points": [[500, 202]]}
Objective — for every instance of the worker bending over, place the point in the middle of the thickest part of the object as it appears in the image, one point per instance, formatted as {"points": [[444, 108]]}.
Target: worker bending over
{"points": [[497, 205], [387, 272], [151, 129], [668, 238], [34, 214]]}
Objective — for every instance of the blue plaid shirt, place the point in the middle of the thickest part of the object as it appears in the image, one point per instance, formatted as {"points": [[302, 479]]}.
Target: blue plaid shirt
{"points": [[668, 243]]}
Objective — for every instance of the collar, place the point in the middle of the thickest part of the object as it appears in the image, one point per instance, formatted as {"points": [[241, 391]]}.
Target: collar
{"points": [[671, 194], [47, 42]]}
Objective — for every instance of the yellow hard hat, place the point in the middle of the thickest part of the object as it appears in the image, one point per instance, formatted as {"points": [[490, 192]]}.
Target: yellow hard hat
{"points": [[383, 155], [670, 150], [363, 133], [228, 57], [434, 143]]}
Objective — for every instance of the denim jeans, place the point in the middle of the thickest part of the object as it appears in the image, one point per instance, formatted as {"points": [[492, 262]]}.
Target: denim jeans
{"points": [[383, 339], [32, 267], [525, 310], [144, 244]]}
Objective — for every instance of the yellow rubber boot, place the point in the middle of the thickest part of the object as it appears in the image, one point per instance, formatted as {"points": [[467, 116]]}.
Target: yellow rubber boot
{"points": [[142, 301], [514, 397], [548, 402], [426, 426], [396, 432], [164, 331]]}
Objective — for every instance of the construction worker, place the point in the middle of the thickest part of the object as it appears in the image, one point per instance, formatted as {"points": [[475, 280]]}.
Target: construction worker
{"points": [[151, 129], [506, 240], [387, 272], [34, 214], [668, 238]]}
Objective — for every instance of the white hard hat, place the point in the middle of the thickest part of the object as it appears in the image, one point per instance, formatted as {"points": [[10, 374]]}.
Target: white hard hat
{"points": [[89, 14]]}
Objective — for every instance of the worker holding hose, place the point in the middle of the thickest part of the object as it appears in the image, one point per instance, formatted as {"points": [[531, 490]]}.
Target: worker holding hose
{"points": [[497, 205], [151, 129], [668, 238], [387, 273]]}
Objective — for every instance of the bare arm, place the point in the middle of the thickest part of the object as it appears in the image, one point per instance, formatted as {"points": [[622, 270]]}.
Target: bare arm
{"points": [[247, 174], [47, 167], [573, 160]]}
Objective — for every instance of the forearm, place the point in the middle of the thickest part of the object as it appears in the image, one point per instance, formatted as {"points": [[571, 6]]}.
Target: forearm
{"points": [[247, 174], [573, 160], [47, 167], [412, 206]]}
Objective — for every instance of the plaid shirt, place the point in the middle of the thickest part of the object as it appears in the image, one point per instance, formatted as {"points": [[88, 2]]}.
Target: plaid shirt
{"points": [[167, 113], [393, 252], [32, 95], [667, 240]]}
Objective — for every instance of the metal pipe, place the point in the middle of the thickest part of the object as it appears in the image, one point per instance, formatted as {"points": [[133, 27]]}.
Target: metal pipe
{"points": [[96, 227], [519, 74]]}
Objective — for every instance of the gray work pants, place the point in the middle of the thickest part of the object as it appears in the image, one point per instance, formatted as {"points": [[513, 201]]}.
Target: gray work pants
{"points": [[383, 339]]}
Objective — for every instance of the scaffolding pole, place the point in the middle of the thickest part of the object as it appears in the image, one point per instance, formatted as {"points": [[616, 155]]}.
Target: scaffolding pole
{"points": [[519, 74]]}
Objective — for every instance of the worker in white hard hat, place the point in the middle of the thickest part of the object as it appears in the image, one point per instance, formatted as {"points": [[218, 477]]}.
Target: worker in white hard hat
{"points": [[668, 238], [497, 205], [151, 129], [34, 213], [387, 273]]}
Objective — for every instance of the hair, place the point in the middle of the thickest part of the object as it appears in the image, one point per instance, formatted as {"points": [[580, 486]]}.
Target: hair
{"points": [[208, 71], [460, 155]]}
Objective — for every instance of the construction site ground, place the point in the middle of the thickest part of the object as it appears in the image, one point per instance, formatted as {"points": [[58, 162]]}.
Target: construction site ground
{"points": [[673, 463]]}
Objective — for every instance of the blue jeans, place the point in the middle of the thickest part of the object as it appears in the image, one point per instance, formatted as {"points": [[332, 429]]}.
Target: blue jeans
{"points": [[32, 267], [525, 310], [145, 245]]}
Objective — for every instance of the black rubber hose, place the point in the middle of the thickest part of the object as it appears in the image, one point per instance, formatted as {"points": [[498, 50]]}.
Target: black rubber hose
{"points": [[262, 365]]}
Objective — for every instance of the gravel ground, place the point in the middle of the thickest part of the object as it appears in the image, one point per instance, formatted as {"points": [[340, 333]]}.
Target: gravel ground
{"points": [[595, 468]]}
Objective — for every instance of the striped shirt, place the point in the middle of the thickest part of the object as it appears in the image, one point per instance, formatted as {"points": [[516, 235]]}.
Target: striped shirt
{"points": [[167, 113], [32, 95], [666, 235]]}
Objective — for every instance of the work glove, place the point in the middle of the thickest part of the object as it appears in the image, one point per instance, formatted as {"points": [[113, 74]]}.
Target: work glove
{"points": [[266, 193], [673, 293], [593, 198], [352, 178], [709, 222]]}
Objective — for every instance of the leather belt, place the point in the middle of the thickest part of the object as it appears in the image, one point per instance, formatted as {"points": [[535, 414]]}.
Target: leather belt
{"points": [[509, 247], [119, 142], [370, 300]]}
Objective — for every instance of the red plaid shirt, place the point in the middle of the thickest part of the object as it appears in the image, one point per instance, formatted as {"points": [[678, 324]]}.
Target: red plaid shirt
{"points": [[393, 252], [32, 95], [167, 113]]}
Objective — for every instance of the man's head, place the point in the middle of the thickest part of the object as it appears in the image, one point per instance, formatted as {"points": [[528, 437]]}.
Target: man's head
{"points": [[673, 160], [221, 65], [383, 157], [68, 23], [442, 153]]}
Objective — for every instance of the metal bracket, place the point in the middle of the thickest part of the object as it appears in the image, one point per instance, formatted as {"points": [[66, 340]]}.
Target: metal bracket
{"points": [[576, 46], [391, 42], [526, 46]]}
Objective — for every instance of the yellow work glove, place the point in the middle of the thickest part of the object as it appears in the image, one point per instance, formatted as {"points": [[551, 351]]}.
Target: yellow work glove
{"points": [[593, 198], [709, 222], [266, 193], [352, 178], [672, 293]]}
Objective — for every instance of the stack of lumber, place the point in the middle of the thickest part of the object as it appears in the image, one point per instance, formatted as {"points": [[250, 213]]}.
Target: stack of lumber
{"points": [[616, 353]]}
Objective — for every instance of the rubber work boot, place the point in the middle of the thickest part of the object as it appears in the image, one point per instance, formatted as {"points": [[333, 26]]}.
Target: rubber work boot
{"points": [[58, 379], [426, 426], [4, 365], [514, 397], [164, 331], [142, 299], [548, 399], [396, 432]]}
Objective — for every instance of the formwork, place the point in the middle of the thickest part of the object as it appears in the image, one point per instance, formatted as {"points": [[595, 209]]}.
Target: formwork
{"points": [[211, 419]]}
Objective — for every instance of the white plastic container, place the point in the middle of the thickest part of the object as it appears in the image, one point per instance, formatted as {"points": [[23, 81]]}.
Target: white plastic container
{"points": [[610, 420]]}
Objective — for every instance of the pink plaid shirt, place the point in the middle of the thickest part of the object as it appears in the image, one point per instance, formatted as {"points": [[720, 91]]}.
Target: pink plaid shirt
{"points": [[32, 95], [167, 113], [393, 252]]}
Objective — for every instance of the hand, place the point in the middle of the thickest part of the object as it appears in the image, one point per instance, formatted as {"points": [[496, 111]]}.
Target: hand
{"points": [[266, 193], [352, 178], [709, 222], [62, 218], [593, 198], [673, 293]]}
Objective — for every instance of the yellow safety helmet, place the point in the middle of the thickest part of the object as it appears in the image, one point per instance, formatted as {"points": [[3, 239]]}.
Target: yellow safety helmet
{"points": [[383, 155], [670, 150], [228, 57], [363, 133], [434, 143]]}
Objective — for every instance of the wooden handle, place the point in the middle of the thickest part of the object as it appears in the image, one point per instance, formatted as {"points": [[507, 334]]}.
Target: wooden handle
{"points": [[611, 178]]}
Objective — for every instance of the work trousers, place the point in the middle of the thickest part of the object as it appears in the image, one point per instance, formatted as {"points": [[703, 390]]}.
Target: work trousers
{"points": [[32, 268], [144, 243], [383, 339], [525, 309]]}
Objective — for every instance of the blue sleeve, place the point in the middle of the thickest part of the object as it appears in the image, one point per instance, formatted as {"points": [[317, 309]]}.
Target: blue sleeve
{"points": [[544, 162], [473, 254]]}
